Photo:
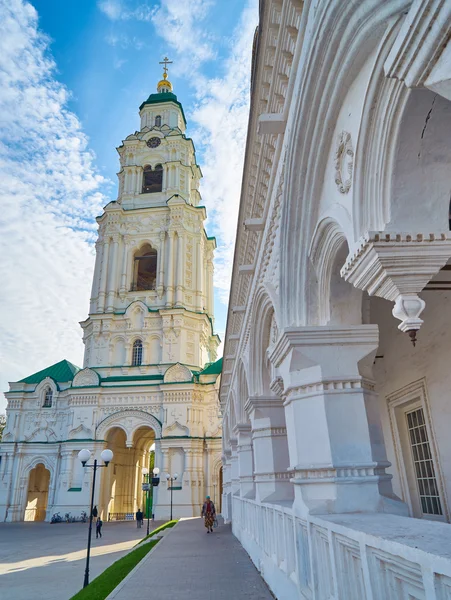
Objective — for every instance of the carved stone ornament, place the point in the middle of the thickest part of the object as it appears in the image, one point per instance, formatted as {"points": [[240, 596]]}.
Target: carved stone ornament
{"points": [[177, 373], [85, 378], [344, 162]]}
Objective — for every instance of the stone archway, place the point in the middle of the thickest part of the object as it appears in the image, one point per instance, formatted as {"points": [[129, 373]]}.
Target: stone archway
{"points": [[121, 487], [37, 493]]}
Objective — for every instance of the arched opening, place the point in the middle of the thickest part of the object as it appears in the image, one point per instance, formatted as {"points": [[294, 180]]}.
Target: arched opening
{"points": [[145, 269], [152, 179], [48, 398], [121, 489], [158, 121], [137, 353], [345, 300], [37, 493]]}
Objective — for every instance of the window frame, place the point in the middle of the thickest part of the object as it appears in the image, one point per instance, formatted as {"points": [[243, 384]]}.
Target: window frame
{"points": [[147, 168], [48, 390], [134, 347], [401, 402]]}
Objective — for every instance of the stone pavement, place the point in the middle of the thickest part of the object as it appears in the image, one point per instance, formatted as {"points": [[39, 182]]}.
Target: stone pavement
{"points": [[39, 560], [189, 563]]}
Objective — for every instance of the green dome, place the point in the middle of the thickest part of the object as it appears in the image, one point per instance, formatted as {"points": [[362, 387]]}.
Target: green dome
{"points": [[163, 97]]}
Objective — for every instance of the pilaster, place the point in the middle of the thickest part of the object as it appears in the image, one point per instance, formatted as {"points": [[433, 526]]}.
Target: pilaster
{"points": [[270, 446], [243, 432], [328, 386]]}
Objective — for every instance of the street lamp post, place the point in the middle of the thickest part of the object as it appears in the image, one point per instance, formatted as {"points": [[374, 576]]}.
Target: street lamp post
{"points": [[84, 456], [171, 479], [149, 488]]}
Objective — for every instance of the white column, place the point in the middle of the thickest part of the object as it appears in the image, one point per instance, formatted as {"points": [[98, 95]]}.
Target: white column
{"points": [[245, 460], [113, 275], [210, 304], [180, 269], [96, 276], [270, 447], [125, 241], [170, 269], [160, 285], [198, 275], [335, 437], [103, 276]]}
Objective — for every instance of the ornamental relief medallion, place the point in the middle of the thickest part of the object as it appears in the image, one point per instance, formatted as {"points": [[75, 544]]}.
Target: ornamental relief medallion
{"points": [[344, 162]]}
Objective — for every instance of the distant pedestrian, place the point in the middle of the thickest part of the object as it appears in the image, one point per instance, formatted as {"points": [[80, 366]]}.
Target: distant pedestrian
{"points": [[139, 518], [209, 514], [99, 524], [95, 513]]}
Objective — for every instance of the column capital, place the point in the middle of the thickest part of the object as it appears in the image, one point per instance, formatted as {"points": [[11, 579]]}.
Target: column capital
{"points": [[310, 355]]}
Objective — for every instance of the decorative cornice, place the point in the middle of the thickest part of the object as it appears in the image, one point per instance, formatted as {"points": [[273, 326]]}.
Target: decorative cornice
{"points": [[262, 402], [304, 474], [297, 337]]}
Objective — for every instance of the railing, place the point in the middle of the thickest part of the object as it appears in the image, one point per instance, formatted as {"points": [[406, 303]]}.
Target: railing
{"points": [[345, 557], [121, 516], [143, 284]]}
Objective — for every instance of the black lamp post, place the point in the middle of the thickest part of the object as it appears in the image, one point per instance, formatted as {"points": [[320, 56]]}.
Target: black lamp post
{"points": [[149, 488], [171, 479], [84, 456]]}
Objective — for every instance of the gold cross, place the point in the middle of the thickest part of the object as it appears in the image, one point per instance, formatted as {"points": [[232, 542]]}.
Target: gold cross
{"points": [[166, 62]]}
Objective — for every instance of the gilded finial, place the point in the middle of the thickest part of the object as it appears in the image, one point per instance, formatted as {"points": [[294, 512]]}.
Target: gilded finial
{"points": [[165, 85]]}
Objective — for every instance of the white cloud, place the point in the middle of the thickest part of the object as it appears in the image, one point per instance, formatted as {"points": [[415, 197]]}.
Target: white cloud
{"points": [[50, 193], [181, 24], [117, 11], [119, 62]]}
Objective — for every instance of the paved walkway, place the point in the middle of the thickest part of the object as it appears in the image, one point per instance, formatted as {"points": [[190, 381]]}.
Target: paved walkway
{"points": [[39, 560], [189, 563]]}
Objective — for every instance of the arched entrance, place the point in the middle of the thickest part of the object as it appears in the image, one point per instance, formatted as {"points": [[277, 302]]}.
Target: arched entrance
{"points": [[37, 493], [121, 490]]}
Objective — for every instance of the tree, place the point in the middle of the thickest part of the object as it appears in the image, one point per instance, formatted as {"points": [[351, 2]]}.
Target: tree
{"points": [[2, 425]]}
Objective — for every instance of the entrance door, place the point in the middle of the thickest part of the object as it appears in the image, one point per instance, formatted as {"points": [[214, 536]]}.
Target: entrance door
{"points": [[38, 493]]}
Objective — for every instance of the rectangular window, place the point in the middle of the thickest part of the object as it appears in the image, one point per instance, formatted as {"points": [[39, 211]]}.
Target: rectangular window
{"points": [[417, 455], [423, 463]]}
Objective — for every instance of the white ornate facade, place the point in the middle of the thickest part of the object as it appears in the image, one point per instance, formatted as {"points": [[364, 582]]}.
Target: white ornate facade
{"points": [[337, 460], [149, 375]]}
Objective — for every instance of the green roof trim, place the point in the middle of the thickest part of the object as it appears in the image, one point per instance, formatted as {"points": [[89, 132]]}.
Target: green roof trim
{"points": [[132, 378], [163, 97], [61, 371], [213, 368]]}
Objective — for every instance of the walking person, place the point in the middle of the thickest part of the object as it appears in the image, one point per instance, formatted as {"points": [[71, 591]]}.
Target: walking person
{"points": [[209, 514], [139, 518], [99, 524], [95, 512]]}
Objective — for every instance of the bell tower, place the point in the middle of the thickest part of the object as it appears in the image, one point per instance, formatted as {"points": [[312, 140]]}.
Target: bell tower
{"points": [[152, 293]]}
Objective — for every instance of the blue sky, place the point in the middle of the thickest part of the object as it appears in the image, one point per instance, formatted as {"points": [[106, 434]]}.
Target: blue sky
{"points": [[73, 75]]}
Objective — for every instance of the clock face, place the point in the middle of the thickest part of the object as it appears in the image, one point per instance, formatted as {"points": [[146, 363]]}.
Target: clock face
{"points": [[153, 142]]}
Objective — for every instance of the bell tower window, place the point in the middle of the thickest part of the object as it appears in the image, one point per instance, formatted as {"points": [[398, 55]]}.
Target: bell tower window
{"points": [[158, 121], [48, 398], [137, 356], [152, 179], [145, 269]]}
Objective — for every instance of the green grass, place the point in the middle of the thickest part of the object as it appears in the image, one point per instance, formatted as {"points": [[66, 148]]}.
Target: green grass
{"points": [[105, 583], [158, 529]]}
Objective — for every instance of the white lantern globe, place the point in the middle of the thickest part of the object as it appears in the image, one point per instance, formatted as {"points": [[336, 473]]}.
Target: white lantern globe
{"points": [[84, 455], [106, 456]]}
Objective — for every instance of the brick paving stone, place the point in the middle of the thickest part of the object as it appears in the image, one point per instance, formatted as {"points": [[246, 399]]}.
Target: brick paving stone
{"points": [[192, 564]]}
